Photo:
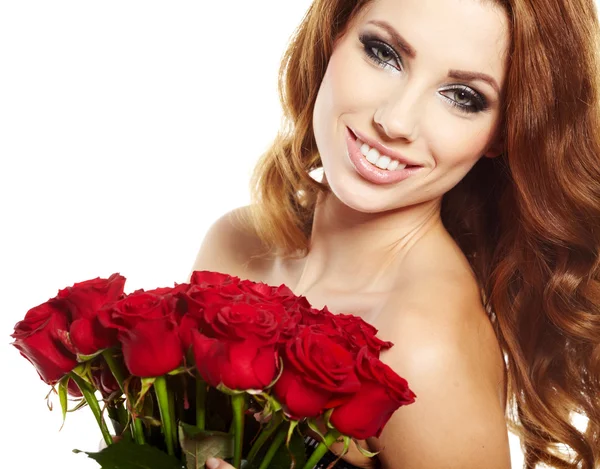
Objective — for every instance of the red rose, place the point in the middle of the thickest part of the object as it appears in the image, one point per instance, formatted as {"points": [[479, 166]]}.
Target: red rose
{"points": [[354, 332], [147, 329], [262, 292], [41, 338], [198, 300], [166, 291], [232, 287], [206, 278], [290, 323], [318, 373], [360, 333], [238, 347], [381, 392], [298, 312], [213, 291], [84, 300], [172, 295], [313, 316]]}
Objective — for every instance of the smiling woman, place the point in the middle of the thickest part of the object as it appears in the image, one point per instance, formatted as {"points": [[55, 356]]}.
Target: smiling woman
{"points": [[437, 174], [458, 209]]}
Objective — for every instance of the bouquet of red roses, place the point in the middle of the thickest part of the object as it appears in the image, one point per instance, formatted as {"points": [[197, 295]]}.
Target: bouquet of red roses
{"points": [[218, 367]]}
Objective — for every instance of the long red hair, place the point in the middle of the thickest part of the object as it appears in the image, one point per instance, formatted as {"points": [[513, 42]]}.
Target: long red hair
{"points": [[528, 221]]}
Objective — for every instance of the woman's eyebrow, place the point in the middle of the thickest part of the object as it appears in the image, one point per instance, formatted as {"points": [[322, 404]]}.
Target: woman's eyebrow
{"points": [[399, 41], [409, 50], [469, 76]]}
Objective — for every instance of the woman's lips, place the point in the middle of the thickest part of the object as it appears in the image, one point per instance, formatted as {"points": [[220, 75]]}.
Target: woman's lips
{"points": [[383, 149], [371, 172]]}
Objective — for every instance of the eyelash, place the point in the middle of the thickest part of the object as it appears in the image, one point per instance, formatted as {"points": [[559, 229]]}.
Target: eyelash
{"points": [[371, 42]]}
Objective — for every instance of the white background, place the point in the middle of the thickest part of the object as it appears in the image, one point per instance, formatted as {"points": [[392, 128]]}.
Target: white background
{"points": [[126, 129]]}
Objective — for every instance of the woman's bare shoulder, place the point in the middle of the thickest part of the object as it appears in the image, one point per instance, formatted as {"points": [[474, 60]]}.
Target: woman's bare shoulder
{"points": [[230, 246], [445, 347], [445, 307], [458, 418]]}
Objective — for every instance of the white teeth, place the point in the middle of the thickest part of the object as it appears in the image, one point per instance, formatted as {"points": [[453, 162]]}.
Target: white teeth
{"points": [[383, 162], [373, 156]]}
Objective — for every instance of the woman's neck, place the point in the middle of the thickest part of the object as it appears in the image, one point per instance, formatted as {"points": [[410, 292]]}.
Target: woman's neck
{"points": [[356, 251]]}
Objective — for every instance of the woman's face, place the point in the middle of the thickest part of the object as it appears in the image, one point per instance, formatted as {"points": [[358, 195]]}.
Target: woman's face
{"points": [[414, 103]]}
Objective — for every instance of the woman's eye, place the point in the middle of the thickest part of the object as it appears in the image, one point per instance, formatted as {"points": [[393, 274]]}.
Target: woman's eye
{"points": [[462, 97], [465, 99], [381, 53]]}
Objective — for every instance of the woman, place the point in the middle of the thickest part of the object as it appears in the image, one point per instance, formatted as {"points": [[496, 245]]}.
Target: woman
{"points": [[459, 213]]}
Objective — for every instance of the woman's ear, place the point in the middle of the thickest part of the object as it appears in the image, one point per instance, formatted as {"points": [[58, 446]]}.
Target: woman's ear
{"points": [[496, 148]]}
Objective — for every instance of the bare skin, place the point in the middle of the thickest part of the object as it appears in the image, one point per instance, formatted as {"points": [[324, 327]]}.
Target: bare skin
{"points": [[382, 252], [389, 309]]}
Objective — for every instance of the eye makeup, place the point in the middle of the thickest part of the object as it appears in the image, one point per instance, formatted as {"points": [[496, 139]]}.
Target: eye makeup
{"points": [[383, 55]]}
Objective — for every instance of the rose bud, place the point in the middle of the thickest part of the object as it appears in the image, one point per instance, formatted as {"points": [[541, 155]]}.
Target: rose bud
{"points": [[381, 393], [147, 330], [360, 333], [84, 300], [41, 337], [238, 347], [318, 373]]}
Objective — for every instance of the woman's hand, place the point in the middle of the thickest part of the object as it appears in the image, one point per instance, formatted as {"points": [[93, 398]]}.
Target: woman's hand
{"points": [[214, 463]]}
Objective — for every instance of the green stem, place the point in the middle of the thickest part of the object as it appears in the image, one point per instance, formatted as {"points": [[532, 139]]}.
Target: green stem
{"points": [[238, 404], [277, 442], [200, 404], [117, 370], [173, 416], [123, 416], [88, 394], [264, 435], [162, 395], [321, 449], [138, 431]]}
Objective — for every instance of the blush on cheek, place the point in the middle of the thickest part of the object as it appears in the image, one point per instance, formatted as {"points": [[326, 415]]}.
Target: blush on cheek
{"points": [[353, 84], [458, 145]]}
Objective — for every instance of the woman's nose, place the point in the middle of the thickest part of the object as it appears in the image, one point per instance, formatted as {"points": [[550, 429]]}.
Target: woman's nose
{"points": [[397, 116]]}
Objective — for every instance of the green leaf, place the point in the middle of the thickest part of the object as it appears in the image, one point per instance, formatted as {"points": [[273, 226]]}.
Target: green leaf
{"points": [[364, 452], [79, 405], [327, 418], [313, 425], [83, 371], [146, 385], [63, 395], [178, 371], [199, 445], [81, 358], [127, 455], [232, 392]]}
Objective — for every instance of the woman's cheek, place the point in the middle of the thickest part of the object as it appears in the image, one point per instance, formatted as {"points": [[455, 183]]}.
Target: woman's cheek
{"points": [[456, 145], [353, 83]]}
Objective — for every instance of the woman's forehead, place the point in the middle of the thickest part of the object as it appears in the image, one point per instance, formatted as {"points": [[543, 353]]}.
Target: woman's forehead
{"points": [[456, 34]]}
